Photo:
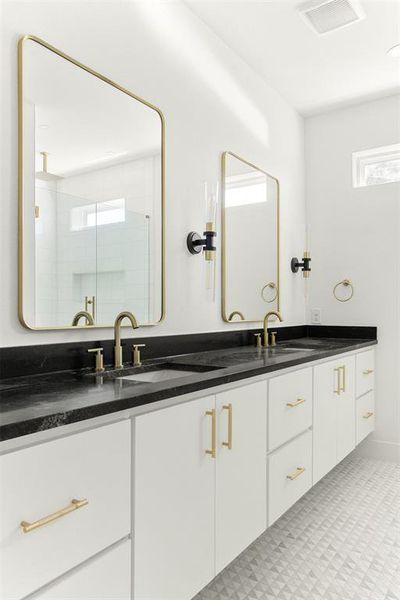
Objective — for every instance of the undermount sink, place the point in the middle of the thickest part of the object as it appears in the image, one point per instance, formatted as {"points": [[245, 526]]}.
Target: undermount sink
{"points": [[158, 375], [296, 349]]}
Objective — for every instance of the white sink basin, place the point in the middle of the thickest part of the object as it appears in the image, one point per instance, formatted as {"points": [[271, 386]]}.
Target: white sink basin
{"points": [[159, 375]]}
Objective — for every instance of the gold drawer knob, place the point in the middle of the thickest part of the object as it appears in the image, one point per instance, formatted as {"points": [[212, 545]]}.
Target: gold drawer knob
{"points": [[299, 471], [368, 415], [74, 505], [296, 403], [368, 371]]}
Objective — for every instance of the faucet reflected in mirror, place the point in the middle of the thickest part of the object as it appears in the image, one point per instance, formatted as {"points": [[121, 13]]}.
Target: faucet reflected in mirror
{"points": [[234, 313], [271, 313], [118, 363], [82, 314]]}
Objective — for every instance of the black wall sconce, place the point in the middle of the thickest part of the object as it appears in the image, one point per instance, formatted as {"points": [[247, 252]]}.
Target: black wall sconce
{"points": [[305, 266], [195, 243]]}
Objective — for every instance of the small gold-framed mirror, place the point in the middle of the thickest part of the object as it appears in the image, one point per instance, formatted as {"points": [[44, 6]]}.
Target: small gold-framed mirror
{"points": [[91, 195], [250, 241]]}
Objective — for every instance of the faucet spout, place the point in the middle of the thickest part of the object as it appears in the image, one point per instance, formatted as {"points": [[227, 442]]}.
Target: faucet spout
{"points": [[82, 314], [271, 313], [117, 335]]}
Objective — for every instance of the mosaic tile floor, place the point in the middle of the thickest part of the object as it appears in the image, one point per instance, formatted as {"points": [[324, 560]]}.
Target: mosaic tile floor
{"points": [[341, 541]]}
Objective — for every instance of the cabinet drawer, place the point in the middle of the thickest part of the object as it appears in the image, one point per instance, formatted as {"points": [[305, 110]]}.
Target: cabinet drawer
{"points": [[40, 481], [365, 366], [365, 419], [289, 406], [287, 481], [106, 577]]}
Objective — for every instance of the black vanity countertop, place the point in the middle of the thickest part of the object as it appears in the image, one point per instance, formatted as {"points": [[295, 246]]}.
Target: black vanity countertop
{"points": [[39, 402]]}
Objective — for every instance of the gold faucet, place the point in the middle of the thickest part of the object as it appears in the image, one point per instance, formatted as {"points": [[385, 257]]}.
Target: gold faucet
{"points": [[117, 335], [85, 314], [266, 318]]}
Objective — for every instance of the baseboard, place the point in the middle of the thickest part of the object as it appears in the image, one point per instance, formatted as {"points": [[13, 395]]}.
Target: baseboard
{"points": [[379, 449]]}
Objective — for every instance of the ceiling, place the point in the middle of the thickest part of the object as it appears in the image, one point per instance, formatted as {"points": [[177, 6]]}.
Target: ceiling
{"points": [[82, 122], [314, 73]]}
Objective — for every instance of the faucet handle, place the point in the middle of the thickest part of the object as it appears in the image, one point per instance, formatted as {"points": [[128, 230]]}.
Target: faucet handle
{"points": [[258, 340], [273, 338], [136, 354], [99, 359]]}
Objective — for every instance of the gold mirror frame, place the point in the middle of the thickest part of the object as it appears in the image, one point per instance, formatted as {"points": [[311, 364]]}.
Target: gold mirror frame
{"points": [[224, 241], [21, 43]]}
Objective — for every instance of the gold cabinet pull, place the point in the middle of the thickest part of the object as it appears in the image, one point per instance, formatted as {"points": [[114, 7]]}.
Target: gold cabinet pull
{"points": [[368, 415], [338, 388], [299, 471], [343, 369], [368, 371], [213, 451], [296, 403], [228, 407], [74, 505]]}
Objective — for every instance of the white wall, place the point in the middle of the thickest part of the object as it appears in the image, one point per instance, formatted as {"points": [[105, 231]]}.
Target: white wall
{"points": [[211, 101], [356, 235]]}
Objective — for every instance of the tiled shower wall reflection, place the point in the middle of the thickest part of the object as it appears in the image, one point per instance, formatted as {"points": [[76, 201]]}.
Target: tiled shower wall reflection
{"points": [[117, 262]]}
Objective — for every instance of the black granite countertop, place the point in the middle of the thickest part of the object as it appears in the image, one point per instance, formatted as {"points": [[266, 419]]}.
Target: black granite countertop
{"points": [[39, 402]]}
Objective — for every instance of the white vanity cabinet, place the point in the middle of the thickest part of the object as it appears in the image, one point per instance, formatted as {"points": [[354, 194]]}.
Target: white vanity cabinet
{"points": [[200, 490], [334, 425], [106, 577], [92, 467], [208, 476], [289, 475], [241, 478], [174, 501], [365, 403]]}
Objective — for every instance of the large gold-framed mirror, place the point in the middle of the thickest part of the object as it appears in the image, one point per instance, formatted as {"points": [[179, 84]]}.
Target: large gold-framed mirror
{"points": [[91, 195], [250, 241]]}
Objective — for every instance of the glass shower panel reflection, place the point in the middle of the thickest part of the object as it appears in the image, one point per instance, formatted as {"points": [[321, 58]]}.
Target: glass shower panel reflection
{"points": [[65, 256], [123, 262]]}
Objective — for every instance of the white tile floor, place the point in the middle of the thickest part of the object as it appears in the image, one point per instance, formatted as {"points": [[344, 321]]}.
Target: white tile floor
{"points": [[341, 541]]}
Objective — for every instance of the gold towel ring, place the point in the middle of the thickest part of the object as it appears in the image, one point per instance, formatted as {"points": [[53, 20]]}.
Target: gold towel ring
{"points": [[272, 285], [346, 283]]}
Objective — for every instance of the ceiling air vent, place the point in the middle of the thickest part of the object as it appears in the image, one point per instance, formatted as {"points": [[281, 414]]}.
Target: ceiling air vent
{"points": [[327, 15]]}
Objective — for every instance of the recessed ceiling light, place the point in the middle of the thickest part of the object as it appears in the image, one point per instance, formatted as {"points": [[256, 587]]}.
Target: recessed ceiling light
{"points": [[394, 51]]}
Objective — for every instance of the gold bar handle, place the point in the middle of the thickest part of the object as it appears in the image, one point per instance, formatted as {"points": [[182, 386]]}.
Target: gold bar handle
{"points": [[338, 389], [296, 403], [74, 505], [368, 415], [228, 407], [213, 451], [299, 471], [343, 369], [368, 372]]}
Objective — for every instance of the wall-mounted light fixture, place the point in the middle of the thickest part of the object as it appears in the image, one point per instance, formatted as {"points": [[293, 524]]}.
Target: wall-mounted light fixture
{"points": [[197, 244], [304, 265]]}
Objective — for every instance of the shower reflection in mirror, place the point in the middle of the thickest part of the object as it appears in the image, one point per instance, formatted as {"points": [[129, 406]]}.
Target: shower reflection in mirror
{"points": [[92, 197]]}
